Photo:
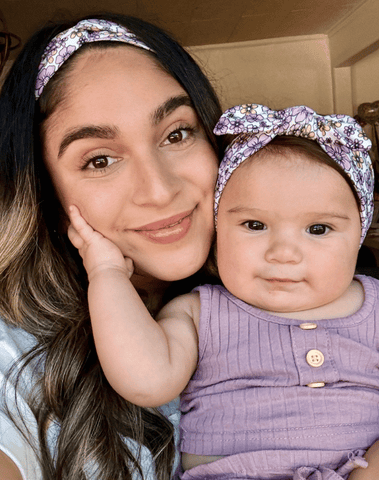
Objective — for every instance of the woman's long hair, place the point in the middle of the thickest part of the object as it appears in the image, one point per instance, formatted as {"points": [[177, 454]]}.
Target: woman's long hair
{"points": [[43, 284]]}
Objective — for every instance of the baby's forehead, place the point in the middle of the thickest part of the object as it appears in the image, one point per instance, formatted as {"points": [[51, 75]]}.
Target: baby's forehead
{"points": [[287, 188], [260, 177], [283, 158]]}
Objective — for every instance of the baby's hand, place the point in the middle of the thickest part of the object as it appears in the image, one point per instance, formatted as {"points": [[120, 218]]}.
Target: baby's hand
{"points": [[98, 253]]}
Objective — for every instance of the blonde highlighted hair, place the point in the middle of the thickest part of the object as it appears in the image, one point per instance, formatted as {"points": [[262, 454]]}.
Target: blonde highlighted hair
{"points": [[43, 284]]}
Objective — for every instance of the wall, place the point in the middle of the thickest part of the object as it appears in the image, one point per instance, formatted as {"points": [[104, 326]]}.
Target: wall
{"points": [[355, 36], [365, 80], [278, 72], [333, 73], [351, 41]]}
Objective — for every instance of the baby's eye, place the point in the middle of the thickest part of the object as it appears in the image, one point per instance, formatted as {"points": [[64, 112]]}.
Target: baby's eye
{"points": [[255, 225], [318, 229]]}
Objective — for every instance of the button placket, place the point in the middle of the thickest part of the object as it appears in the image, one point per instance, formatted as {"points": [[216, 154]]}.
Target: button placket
{"points": [[311, 351]]}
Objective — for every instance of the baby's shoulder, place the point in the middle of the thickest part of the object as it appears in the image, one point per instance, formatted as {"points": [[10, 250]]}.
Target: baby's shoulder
{"points": [[186, 304], [370, 289], [368, 284]]}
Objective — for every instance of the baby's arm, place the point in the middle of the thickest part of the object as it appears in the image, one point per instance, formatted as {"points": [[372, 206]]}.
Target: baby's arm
{"points": [[147, 362], [372, 471]]}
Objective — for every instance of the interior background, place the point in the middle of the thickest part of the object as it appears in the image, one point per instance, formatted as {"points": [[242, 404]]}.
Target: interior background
{"points": [[322, 53]]}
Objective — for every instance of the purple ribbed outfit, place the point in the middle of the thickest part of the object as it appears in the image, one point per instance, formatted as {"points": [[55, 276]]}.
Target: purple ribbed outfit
{"points": [[250, 393]]}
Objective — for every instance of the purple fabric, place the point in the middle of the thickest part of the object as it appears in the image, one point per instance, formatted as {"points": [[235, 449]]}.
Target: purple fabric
{"points": [[69, 41], [279, 465], [250, 394]]}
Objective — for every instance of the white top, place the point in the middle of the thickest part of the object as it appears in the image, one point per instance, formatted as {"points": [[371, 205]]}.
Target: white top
{"points": [[13, 343]]}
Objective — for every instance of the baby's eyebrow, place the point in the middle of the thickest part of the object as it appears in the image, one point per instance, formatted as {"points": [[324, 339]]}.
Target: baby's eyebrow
{"points": [[332, 215], [90, 131], [317, 216], [246, 210]]}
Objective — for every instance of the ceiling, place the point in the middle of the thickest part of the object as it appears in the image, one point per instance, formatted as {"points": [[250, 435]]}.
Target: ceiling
{"points": [[193, 22]]}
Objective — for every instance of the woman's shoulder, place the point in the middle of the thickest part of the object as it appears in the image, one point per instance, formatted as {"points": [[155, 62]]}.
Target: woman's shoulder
{"points": [[14, 342]]}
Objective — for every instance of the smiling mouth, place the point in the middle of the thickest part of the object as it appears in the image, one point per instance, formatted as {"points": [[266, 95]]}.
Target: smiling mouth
{"points": [[166, 223], [168, 230]]}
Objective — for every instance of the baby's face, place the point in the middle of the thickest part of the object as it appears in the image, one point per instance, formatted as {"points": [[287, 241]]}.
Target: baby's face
{"points": [[288, 234]]}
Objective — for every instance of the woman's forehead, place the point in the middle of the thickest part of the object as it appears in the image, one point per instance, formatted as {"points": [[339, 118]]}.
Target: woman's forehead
{"points": [[106, 85], [111, 57]]}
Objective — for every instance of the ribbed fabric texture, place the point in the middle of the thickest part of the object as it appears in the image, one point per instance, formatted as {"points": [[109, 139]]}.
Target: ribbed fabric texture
{"points": [[250, 391]]}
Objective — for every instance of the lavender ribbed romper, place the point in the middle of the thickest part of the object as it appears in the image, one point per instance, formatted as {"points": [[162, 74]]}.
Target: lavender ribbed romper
{"points": [[250, 398]]}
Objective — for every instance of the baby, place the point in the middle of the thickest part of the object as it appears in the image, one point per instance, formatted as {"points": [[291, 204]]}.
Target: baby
{"points": [[278, 366]]}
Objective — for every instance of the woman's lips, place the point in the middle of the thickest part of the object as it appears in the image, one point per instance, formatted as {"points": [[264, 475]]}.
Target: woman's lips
{"points": [[168, 230]]}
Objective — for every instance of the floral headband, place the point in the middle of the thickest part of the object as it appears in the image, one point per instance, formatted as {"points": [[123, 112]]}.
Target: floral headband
{"points": [[66, 43], [340, 136]]}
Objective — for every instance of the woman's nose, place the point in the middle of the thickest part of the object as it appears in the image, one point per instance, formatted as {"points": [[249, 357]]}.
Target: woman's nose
{"points": [[155, 184], [284, 249]]}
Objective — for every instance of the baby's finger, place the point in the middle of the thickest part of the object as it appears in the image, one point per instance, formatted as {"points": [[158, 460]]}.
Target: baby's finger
{"points": [[74, 237], [80, 225], [129, 266]]}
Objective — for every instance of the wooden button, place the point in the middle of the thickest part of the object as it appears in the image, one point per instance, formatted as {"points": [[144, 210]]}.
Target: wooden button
{"points": [[316, 384], [315, 358], [308, 326]]}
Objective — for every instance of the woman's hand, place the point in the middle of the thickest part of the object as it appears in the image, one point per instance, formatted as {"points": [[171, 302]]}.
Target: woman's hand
{"points": [[98, 253]]}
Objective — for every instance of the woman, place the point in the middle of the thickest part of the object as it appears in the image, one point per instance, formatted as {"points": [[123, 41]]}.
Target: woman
{"points": [[122, 129]]}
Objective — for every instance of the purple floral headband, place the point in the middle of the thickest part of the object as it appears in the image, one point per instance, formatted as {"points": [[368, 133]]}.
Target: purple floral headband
{"points": [[66, 43], [340, 136]]}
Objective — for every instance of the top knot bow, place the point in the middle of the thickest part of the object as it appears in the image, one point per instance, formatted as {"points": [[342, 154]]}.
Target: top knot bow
{"points": [[340, 136]]}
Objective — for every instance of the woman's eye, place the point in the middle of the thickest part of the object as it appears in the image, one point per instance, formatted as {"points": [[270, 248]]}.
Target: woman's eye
{"points": [[318, 229], [100, 162], [178, 135], [255, 225]]}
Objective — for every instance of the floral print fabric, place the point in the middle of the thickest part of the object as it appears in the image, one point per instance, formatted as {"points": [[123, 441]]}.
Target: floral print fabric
{"points": [[66, 43], [340, 136]]}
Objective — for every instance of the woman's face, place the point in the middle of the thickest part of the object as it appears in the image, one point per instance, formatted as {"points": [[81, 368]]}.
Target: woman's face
{"points": [[126, 147]]}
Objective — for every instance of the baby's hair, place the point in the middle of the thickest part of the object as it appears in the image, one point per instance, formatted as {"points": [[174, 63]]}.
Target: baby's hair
{"points": [[287, 144]]}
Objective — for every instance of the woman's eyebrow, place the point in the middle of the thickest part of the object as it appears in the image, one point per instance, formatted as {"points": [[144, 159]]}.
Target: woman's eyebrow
{"points": [[110, 133], [169, 106], [90, 131]]}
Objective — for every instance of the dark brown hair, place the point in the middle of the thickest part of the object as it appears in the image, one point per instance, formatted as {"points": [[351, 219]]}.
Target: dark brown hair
{"points": [[43, 284]]}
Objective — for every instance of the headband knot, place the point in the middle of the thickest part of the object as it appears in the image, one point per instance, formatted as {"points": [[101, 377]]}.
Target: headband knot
{"points": [[69, 41], [340, 136]]}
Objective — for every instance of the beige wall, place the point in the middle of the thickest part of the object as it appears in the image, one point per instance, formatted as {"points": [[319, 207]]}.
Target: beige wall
{"points": [[355, 36], [277, 72], [333, 73], [354, 44], [365, 80]]}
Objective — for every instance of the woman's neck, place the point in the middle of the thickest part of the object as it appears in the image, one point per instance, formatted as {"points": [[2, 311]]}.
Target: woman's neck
{"points": [[151, 290]]}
